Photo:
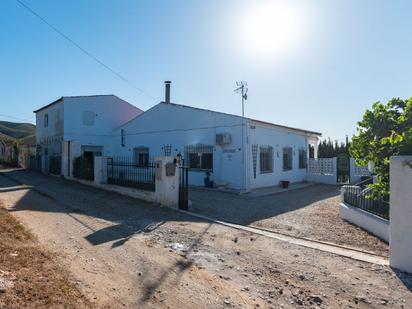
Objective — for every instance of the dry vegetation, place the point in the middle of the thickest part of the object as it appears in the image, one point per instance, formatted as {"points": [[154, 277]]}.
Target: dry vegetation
{"points": [[29, 275]]}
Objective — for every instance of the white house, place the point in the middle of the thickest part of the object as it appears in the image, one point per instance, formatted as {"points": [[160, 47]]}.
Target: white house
{"points": [[89, 120], [240, 153]]}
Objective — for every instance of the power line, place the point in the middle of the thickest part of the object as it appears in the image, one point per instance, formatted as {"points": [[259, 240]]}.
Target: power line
{"points": [[67, 38]]}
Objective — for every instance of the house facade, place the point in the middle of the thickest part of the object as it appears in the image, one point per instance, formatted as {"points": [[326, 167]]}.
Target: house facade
{"points": [[232, 151], [236, 152], [89, 120]]}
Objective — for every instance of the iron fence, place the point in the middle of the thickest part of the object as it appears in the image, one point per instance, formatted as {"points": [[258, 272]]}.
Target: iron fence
{"points": [[362, 199], [127, 172]]}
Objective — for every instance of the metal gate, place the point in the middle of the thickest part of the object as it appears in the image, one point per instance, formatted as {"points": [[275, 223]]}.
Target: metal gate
{"points": [[124, 171], [343, 168], [183, 186]]}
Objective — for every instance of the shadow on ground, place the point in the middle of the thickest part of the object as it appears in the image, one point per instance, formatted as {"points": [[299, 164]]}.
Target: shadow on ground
{"points": [[127, 216], [242, 210]]}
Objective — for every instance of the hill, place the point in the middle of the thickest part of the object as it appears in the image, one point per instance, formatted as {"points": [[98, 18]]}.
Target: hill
{"points": [[17, 130]]}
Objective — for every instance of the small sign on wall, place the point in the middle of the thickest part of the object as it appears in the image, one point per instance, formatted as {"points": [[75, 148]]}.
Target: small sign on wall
{"points": [[229, 150], [170, 169]]}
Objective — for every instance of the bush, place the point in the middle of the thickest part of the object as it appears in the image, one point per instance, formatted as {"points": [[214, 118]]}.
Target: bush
{"points": [[83, 168]]}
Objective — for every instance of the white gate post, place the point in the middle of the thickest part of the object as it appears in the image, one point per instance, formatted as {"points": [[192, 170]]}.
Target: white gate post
{"points": [[167, 181], [100, 170], [401, 213]]}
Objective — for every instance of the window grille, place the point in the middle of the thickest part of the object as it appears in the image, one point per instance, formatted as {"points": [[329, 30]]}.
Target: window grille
{"points": [[266, 159], [287, 159], [88, 118], [167, 148], [141, 156], [303, 160], [254, 158], [200, 156]]}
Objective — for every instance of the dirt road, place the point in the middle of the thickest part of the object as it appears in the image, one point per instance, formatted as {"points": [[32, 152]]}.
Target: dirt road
{"points": [[125, 253]]}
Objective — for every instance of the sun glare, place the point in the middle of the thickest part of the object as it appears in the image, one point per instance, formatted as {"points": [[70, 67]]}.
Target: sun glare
{"points": [[270, 29]]}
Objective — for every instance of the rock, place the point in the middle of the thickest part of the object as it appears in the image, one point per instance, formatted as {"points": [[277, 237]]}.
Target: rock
{"points": [[316, 299], [235, 239], [301, 277]]}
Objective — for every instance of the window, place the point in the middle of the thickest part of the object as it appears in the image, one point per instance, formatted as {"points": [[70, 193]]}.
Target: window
{"points": [[287, 158], [88, 118], [141, 156], [266, 159], [303, 160], [200, 157], [46, 120]]}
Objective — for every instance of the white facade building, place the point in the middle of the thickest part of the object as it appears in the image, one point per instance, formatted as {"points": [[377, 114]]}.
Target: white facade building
{"points": [[89, 120], [239, 153], [234, 152]]}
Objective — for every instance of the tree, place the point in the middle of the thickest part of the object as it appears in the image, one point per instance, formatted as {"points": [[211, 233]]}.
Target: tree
{"points": [[328, 149], [384, 131]]}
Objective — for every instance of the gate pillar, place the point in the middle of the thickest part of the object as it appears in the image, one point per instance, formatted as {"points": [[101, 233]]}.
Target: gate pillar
{"points": [[100, 170], [167, 181]]}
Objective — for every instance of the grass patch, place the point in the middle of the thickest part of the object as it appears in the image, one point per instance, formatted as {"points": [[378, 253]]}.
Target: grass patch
{"points": [[30, 276]]}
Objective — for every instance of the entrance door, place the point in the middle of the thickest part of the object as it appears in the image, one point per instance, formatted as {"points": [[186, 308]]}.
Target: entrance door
{"points": [[343, 168]]}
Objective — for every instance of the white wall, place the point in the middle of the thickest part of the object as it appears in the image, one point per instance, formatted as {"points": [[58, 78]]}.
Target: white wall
{"points": [[50, 137], [401, 213], [365, 220], [181, 126], [110, 112], [278, 138], [66, 121]]}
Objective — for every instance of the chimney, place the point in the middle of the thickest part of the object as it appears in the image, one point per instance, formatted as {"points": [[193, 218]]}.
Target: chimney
{"points": [[167, 91]]}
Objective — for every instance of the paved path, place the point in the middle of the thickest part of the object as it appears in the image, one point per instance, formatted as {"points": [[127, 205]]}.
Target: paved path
{"points": [[125, 253]]}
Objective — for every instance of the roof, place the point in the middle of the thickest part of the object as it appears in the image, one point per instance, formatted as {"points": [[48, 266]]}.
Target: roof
{"points": [[250, 119], [78, 96]]}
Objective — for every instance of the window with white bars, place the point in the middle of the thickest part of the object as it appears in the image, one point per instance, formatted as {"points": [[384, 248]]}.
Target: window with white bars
{"points": [[199, 156], [88, 118], [266, 159], [287, 158], [303, 160], [141, 156]]}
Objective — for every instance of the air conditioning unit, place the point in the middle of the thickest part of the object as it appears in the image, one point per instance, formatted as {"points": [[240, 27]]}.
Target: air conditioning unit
{"points": [[223, 139]]}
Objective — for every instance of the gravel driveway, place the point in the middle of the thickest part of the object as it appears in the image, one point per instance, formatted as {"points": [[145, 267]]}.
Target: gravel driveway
{"points": [[311, 212], [125, 253]]}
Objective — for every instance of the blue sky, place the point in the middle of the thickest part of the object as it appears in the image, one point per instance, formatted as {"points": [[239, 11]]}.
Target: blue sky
{"points": [[344, 56]]}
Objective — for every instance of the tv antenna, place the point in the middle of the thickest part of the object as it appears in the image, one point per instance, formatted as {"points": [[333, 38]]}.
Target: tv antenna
{"points": [[242, 89]]}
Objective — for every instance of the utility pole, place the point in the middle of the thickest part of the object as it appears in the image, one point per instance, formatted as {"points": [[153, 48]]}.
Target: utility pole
{"points": [[242, 88]]}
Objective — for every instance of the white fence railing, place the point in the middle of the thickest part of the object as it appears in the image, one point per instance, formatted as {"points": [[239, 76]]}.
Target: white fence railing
{"points": [[323, 170], [322, 166]]}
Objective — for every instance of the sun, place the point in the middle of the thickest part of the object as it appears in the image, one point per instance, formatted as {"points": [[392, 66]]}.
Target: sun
{"points": [[271, 28]]}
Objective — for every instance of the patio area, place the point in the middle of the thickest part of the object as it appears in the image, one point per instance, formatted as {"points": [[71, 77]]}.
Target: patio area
{"points": [[311, 211]]}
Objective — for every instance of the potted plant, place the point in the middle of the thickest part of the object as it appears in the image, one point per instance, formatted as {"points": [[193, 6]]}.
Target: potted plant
{"points": [[284, 184], [207, 180]]}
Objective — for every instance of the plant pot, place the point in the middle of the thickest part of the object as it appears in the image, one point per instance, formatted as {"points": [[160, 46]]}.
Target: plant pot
{"points": [[284, 184]]}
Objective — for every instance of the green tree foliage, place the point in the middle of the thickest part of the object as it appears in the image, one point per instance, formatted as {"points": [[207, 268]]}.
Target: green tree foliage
{"points": [[328, 149], [384, 131]]}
